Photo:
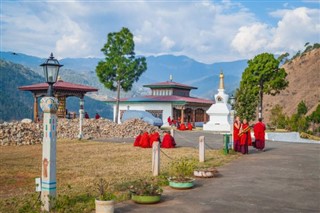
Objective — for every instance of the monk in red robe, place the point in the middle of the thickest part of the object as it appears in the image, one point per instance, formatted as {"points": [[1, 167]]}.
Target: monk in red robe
{"points": [[168, 141], [245, 137], [183, 127], [154, 136], [190, 127], [145, 140], [236, 138], [259, 134], [137, 140]]}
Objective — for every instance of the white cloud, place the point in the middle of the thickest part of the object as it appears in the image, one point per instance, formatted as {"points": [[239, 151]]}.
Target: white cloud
{"points": [[207, 31], [294, 29]]}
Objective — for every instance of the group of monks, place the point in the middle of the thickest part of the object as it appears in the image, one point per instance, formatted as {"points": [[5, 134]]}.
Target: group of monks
{"points": [[145, 140], [179, 126], [242, 135]]}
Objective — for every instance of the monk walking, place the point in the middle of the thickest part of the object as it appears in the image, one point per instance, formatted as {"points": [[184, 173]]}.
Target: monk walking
{"points": [[245, 137], [259, 134], [168, 141], [236, 130]]}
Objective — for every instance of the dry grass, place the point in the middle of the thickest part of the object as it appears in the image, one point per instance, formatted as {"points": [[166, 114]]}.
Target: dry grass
{"points": [[81, 163]]}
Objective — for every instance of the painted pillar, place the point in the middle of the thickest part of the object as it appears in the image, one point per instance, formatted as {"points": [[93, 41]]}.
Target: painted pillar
{"points": [[204, 116], [194, 117], [35, 108], [81, 116], [155, 158], [49, 106], [182, 115], [201, 149]]}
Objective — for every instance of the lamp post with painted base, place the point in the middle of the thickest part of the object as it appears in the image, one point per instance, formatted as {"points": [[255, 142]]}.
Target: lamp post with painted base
{"points": [[232, 102], [49, 106]]}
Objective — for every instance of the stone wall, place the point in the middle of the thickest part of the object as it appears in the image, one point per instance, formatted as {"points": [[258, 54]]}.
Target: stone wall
{"points": [[28, 133]]}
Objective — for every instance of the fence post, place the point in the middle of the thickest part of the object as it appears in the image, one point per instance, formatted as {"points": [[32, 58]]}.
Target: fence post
{"points": [[155, 158], [201, 149]]}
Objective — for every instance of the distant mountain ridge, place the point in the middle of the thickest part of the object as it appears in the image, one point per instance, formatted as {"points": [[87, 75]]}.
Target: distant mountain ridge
{"points": [[184, 70]]}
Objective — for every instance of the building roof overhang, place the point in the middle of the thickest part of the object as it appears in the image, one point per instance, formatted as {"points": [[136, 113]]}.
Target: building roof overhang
{"points": [[169, 84]]}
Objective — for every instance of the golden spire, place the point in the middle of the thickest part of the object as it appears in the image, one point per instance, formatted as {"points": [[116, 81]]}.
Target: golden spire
{"points": [[221, 86]]}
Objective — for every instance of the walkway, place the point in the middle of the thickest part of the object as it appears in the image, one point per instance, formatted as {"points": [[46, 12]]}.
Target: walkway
{"points": [[284, 178]]}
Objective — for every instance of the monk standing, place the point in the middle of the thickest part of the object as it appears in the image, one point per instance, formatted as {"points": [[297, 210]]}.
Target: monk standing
{"points": [[236, 138], [245, 137], [168, 141], [138, 139], [145, 140], [154, 136], [259, 134]]}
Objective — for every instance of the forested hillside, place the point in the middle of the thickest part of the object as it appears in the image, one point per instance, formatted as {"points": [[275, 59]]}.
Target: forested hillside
{"points": [[16, 104]]}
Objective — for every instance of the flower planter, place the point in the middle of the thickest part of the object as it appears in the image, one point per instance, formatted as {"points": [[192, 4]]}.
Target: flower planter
{"points": [[146, 199], [205, 173], [104, 206], [173, 183]]}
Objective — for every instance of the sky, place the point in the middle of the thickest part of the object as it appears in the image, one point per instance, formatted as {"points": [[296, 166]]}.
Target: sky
{"points": [[207, 31]]}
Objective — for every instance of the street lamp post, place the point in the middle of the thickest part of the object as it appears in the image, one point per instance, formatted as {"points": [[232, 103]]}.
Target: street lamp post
{"points": [[49, 106], [232, 102]]}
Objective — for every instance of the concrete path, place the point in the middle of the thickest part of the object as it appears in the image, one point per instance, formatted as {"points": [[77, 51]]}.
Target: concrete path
{"points": [[284, 178]]}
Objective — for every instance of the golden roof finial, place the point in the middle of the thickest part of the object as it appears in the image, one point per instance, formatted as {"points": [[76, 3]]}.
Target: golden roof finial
{"points": [[221, 86]]}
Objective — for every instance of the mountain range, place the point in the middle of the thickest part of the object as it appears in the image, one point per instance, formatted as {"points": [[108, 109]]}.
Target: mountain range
{"points": [[183, 69]]}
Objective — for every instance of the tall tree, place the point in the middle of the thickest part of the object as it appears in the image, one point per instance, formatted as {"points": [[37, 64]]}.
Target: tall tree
{"points": [[262, 76], [121, 68]]}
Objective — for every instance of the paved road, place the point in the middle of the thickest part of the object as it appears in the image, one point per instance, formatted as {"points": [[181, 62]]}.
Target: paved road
{"points": [[284, 178]]}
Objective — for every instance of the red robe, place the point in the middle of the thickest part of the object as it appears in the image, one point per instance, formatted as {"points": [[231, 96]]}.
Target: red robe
{"points": [[154, 137], [183, 127], [236, 138], [145, 140], [245, 139], [168, 141], [259, 134], [190, 126], [137, 141]]}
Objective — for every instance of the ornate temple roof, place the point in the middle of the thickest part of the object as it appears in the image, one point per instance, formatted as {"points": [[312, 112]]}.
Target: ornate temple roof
{"points": [[59, 85]]}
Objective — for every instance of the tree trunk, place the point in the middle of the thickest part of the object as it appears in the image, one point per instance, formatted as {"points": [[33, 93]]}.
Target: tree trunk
{"points": [[117, 101], [261, 99]]}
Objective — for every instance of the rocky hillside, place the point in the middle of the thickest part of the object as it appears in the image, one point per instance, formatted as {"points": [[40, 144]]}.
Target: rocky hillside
{"points": [[304, 84]]}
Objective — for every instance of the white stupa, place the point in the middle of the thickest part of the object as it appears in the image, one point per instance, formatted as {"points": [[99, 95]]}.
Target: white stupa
{"points": [[220, 111]]}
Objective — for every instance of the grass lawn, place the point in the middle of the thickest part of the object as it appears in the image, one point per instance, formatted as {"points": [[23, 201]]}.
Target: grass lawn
{"points": [[79, 165]]}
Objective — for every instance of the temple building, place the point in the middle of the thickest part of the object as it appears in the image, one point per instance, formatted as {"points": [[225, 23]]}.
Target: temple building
{"points": [[62, 90], [168, 99]]}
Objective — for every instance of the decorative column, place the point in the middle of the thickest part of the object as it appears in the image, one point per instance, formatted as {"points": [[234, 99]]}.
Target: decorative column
{"points": [[81, 115], [194, 117], [182, 115], [35, 108], [204, 116], [49, 106]]}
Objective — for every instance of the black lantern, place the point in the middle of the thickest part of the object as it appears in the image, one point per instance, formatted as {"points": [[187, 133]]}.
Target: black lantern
{"points": [[51, 70], [232, 101]]}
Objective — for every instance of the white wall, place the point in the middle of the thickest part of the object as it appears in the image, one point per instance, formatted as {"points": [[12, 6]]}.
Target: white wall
{"points": [[166, 107]]}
